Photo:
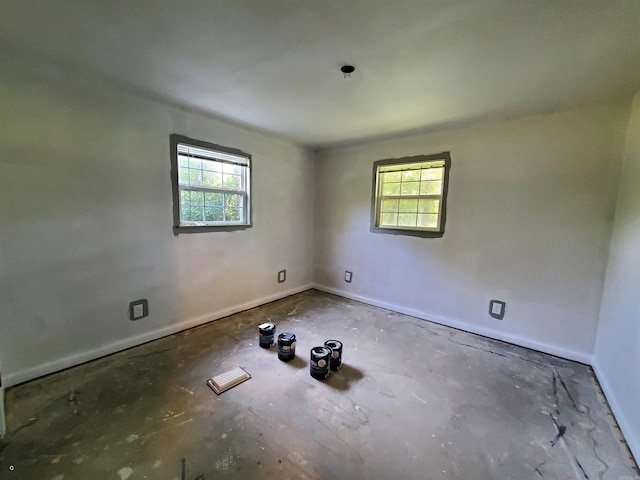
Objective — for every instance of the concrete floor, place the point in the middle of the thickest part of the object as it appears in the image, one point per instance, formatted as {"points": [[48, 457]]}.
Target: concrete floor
{"points": [[414, 400]]}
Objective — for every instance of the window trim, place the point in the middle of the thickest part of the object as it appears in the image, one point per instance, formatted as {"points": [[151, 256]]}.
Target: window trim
{"points": [[174, 140], [414, 232]]}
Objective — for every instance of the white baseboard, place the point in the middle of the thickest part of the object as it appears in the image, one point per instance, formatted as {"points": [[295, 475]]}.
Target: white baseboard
{"points": [[581, 357], [625, 426], [94, 353]]}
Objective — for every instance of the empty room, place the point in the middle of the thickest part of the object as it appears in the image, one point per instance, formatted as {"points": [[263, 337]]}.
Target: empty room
{"points": [[320, 239]]}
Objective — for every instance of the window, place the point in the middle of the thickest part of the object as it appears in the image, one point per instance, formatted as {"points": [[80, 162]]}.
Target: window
{"points": [[410, 195], [211, 186]]}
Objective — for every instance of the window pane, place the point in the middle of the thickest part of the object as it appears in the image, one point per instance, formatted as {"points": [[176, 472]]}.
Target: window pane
{"points": [[197, 214], [232, 200], [409, 205], [218, 199], [183, 161], [231, 181], [195, 177], [195, 163], [232, 214], [428, 220], [184, 196], [410, 188], [197, 198], [211, 166], [428, 205], [389, 206], [216, 214], [389, 219], [432, 173], [213, 199], [391, 189], [211, 179], [431, 187], [411, 175], [407, 219], [213, 214], [230, 169], [185, 213], [391, 176], [183, 176]]}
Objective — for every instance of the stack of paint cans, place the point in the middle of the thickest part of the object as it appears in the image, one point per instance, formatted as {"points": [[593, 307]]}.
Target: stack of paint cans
{"points": [[336, 354], [326, 358], [319, 366], [267, 332], [286, 346]]}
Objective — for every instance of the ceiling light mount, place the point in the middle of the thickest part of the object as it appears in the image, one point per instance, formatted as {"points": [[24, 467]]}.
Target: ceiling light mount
{"points": [[347, 70]]}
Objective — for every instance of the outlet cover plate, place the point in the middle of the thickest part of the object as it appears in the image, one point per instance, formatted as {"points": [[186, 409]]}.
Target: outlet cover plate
{"points": [[348, 276], [496, 309], [138, 309], [282, 276]]}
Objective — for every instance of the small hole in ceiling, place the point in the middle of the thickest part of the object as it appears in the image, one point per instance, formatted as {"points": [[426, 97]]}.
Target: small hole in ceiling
{"points": [[347, 70]]}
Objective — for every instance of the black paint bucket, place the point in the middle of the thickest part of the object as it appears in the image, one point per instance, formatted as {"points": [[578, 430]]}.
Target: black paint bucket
{"points": [[286, 346], [319, 365], [267, 333], [336, 354]]}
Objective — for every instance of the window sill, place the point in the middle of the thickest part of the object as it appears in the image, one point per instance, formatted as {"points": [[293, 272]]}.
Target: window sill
{"points": [[408, 232], [208, 228]]}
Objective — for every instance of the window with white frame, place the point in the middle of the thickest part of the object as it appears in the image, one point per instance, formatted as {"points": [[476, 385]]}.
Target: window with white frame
{"points": [[211, 186], [409, 195]]}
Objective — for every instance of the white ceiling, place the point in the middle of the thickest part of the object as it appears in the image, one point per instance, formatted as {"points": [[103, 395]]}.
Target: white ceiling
{"points": [[274, 64]]}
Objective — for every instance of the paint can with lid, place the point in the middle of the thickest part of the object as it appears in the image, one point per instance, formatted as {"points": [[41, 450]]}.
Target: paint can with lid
{"points": [[286, 346], [319, 365], [336, 354], [267, 332]]}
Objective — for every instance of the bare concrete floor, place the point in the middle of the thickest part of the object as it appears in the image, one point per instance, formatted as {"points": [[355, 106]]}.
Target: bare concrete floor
{"points": [[414, 400]]}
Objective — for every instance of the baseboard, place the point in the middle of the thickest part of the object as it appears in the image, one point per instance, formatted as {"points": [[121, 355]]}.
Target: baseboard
{"points": [[25, 375], [630, 435], [450, 322]]}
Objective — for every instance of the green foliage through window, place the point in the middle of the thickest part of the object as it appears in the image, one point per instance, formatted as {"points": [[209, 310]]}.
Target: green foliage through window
{"points": [[212, 185], [409, 194]]}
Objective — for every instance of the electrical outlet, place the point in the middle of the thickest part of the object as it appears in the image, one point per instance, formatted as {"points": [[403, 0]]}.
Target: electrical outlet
{"points": [[138, 309], [282, 276], [348, 276], [497, 308]]}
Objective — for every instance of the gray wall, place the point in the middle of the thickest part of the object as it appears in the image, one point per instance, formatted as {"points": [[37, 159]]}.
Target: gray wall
{"points": [[86, 222], [617, 352], [529, 219]]}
